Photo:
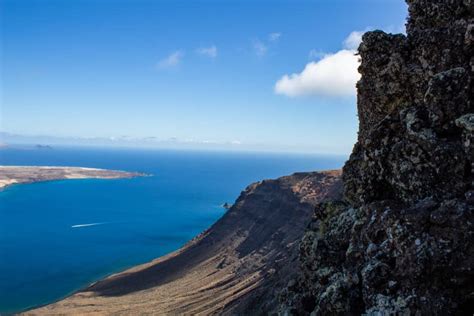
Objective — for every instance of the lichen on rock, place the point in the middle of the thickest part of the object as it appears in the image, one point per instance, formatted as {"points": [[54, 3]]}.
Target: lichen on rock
{"points": [[401, 241]]}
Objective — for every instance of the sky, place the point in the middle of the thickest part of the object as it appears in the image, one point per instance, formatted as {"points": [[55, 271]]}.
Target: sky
{"points": [[266, 75]]}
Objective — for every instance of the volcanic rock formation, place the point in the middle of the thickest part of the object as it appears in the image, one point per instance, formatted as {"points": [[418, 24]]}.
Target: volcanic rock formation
{"points": [[402, 240]]}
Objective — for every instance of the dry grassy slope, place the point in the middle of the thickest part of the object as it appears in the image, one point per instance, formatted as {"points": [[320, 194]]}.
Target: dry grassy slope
{"points": [[233, 266]]}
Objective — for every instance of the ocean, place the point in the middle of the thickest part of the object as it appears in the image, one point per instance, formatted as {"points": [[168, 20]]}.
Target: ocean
{"points": [[58, 237]]}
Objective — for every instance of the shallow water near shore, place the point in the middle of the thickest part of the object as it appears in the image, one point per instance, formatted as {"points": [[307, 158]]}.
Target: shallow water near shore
{"points": [[57, 237]]}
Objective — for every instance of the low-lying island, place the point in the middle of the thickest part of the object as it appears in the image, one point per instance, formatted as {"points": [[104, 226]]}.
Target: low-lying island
{"points": [[29, 174]]}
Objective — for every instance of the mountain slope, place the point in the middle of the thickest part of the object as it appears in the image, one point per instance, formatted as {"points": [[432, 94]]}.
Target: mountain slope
{"points": [[232, 267]]}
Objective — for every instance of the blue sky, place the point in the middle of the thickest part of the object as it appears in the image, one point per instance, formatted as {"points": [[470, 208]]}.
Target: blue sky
{"points": [[197, 73]]}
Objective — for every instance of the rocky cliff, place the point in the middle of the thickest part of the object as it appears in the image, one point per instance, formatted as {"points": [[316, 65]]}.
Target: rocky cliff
{"points": [[401, 241], [235, 267]]}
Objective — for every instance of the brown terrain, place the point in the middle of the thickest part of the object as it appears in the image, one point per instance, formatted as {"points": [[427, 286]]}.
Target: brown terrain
{"points": [[234, 266], [28, 174]]}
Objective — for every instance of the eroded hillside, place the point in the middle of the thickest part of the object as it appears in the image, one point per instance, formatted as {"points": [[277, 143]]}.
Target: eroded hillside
{"points": [[236, 266]]}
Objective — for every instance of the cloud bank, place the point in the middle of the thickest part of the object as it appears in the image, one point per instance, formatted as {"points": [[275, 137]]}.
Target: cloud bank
{"points": [[334, 75]]}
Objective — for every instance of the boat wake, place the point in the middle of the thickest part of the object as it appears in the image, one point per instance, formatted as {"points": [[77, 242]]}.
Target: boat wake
{"points": [[87, 225]]}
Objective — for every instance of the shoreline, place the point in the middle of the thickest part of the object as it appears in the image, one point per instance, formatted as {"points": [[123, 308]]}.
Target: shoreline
{"points": [[13, 175], [225, 263]]}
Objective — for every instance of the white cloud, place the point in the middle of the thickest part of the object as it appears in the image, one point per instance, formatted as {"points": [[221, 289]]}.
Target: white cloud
{"points": [[208, 51], [173, 60], [334, 75], [274, 37], [353, 41], [260, 48]]}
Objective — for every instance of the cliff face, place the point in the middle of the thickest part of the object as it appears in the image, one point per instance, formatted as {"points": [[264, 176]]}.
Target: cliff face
{"points": [[402, 239], [236, 266]]}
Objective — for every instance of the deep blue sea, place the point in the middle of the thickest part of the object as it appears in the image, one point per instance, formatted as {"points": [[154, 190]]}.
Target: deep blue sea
{"points": [[44, 258]]}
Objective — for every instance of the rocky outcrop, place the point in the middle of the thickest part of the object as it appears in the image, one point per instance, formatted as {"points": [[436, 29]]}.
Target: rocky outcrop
{"points": [[235, 267], [401, 241]]}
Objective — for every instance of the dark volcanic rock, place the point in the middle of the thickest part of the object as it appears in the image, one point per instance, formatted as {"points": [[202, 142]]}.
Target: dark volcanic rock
{"points": [[402, 240]]}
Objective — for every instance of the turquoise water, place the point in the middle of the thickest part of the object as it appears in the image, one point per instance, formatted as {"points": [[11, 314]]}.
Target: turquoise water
{"points": [[44, 258]]}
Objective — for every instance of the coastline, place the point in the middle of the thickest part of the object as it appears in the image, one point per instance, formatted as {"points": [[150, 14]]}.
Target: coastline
{"points": [[231, 261], [10, 175]]}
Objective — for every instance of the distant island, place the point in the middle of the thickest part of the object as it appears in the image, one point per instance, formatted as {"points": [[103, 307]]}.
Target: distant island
{"points": [[29, 174], [39, 146]]}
